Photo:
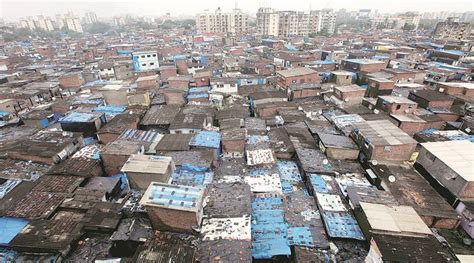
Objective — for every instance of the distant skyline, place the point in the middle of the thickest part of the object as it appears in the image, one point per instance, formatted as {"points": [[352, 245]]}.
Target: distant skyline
{"points": [[12, 10]]}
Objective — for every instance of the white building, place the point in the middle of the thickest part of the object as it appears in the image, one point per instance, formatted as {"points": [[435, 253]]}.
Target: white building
{"points": [[119, 21], [28, 23], [59, 21], [235, 22], [145, 60], [70, 21], [44, 23], [328, 20], [90, 18], [267, 22], [74, 24], [294, 23]]}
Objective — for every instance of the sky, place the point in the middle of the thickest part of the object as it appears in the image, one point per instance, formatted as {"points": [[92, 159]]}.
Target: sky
{"points": [[14, 9]]}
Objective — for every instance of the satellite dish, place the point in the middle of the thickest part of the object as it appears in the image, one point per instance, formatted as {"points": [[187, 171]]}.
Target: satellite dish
{"points": [[374, 162], [325, 161], [268, 128], [407, 110], [391, 178], [376, 111], [346, 99]]}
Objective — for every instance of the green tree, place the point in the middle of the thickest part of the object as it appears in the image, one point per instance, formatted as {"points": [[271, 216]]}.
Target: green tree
{"points": [[409, 27], [98, 27]]}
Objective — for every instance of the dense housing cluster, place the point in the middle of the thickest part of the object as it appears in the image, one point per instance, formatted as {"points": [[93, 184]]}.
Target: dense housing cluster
{"points": [[169, 146]]}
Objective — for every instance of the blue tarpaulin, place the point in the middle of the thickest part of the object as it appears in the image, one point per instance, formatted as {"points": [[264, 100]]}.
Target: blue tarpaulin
{"points": [[318, 184], [288, 171], [9, 228], [124, 185], [89, 140], [78, 117], [191, 175], [110, 109], [300, 236], [342, 225], [269, 229], [256, 139], [208, 139]]}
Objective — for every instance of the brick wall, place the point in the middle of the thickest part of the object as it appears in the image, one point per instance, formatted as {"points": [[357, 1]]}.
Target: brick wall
{"points": [[113, 163], [71, 80], [171, 220]]}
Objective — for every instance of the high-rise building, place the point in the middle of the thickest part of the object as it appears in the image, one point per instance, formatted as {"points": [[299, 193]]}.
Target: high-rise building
{"points": [[411, 18], [328, 20], [73, 23], [90, 18], [235, 22], [119, 21], [294, 23], [267, 22], [41, 23], [452, 29], [28, 23], [44, 23], [59, 21]]}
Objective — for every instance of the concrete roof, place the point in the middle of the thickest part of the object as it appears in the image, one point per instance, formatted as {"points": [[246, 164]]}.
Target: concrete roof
{"points": [[295, 72], [458, 155], [400, 219]]}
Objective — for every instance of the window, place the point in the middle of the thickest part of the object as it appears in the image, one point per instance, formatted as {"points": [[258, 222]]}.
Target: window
{"points": [[366, 143], [398, 106], [430, 156], [151, 63], [143, 56], [144, 64], [154, 55], [148, 56], [387, 148]]}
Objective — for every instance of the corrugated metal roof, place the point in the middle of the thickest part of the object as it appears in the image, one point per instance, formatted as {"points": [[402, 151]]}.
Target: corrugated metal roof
{"points": [[139, 135]]}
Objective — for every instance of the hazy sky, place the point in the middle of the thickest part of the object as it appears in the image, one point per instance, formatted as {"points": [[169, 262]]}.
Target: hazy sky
{"points": [[13, 9]]}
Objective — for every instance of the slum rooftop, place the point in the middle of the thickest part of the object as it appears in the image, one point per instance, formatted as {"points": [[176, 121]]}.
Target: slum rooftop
{"points": [[172, 144]]}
